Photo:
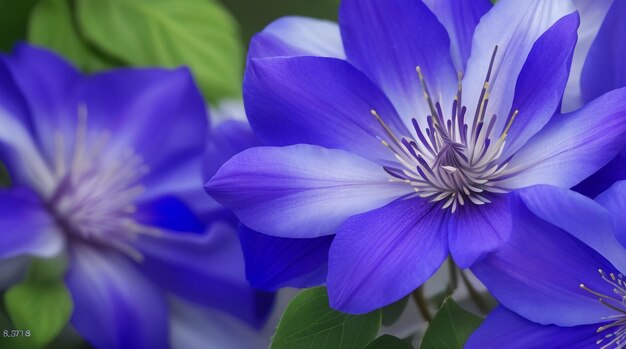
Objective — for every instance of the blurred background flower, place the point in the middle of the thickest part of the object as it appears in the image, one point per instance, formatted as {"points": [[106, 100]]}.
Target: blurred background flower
{"points": [[210, 38]]}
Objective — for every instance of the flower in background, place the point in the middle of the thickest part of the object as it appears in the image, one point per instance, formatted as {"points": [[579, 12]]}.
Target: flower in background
{"points": [[372, 135], [560, 279], [601, 68], [106, 170]]}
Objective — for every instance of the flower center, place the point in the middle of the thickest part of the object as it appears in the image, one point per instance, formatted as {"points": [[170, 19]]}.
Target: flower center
{"points": [[449, 160], [95, 193], [616, 330]]}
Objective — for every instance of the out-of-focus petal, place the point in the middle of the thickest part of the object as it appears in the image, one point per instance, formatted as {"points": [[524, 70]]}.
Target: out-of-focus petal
{"points": [[115, 306], [227, 139], [207, 269], [614, 199], [26, 227], [298, 36], [301, 190], [381, 256]]}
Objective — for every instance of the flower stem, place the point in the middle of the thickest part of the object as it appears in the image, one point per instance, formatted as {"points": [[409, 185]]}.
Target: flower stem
{"points": [[476, 297], [453, 274], [422, 304]]}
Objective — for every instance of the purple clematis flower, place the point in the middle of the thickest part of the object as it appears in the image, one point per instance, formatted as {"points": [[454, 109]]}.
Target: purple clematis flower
{"points": [[602, 70], [106, 171], [386, 132], [560, 279]]}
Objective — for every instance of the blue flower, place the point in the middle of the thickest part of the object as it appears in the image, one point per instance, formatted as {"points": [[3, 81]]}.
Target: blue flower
{"points": [[560, 279], [372, 135], [600, 69], [107, 169]]}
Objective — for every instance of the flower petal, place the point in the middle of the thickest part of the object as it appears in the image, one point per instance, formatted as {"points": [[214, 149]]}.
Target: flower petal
{"points": [[605, 177], [273, 262], [614, 199], [26, 226], [475, 230], [505, 329], [321, 101], [387, 40], [114, 305], [227, 139], [541, 267], [513, 26], [604, 68], [207, 269], [298, 36], [147, 110], [580, 216], [381, 256], [192, 326], [572, 146], [301, 190], [540, 85], [460, 19], [45, 80], [592, 13]]}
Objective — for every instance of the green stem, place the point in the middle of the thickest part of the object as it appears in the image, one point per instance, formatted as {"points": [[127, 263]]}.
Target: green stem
{"points": [[476, 297], [422, 304]]}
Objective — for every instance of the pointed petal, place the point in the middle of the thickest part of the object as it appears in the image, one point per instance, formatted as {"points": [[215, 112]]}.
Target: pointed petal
{"points": [[321, 101], [513, 26], [540, 85], [387, 40], [572, 146], [605, 177], [505, 329], [298, 36], [614, 199], [301, 190], [381, 256], [227, 139]]}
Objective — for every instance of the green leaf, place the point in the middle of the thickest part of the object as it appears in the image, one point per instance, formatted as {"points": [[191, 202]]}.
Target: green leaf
{"points": [[388, 342], [200, 34], [14, 21], [392, 312], [53, 25], [254, 15], [40, 304], [309, 323], [450, 328]]}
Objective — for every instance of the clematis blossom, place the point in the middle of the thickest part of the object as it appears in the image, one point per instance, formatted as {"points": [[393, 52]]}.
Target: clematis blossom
{"points": [[106, 171], [560, 279], [404, 130]]}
